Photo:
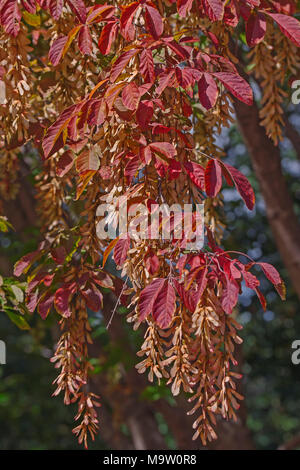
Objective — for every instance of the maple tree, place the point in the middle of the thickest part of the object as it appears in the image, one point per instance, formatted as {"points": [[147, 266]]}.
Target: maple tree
{"points": [[126, 99]]}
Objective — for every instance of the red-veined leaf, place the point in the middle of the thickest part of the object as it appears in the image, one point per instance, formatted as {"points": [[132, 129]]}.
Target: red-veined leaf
{"points": [[164, 305], [56, 49], [289, 25], [78, 7], [256, 28], [29, 5], [55, 7], [236, 85], [214, 9], [10, 17], [213, 178], [131, 168], [271, 273], [165, 79], [154, 21], [241, 183], [148, 297], [147, 65], [100, 12]]}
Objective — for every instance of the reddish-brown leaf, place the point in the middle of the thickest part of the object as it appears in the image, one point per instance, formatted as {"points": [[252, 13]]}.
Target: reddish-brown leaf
{"points": [[107, 36], [45, 305], [196, 173], [121, 250], [289, 25], [213, 178], [65, 163], [207, 90], [131, 96], [147, 65], [236, 85], [184, 6], [148, 297], [164, 305], [256, 27], [121, 63], [85, 40], [241, 183], [154, 22]]}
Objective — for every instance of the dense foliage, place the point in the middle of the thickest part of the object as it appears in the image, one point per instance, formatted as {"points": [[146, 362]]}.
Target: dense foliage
{"points": [[125, 100]]}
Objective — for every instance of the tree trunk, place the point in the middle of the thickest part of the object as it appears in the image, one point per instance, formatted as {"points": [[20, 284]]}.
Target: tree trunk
{"points": [[279, 206]]}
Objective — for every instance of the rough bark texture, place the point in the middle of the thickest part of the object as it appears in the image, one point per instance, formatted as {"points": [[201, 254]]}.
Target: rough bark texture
{"points": [[279, 206]]}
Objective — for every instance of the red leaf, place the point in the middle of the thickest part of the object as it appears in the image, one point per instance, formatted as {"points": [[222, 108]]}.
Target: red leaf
{"points": [[165, 79], [107, 36], [54, 131], [78, 7], [23, 264], [271, 273], [144, 113], [93, 298], [29, 5], [207, 90], [152, 263], [174, 169], [45, 305], [164, 305], [61, 301], [126, 20], [131, 96], [131, 168], [214, 9], [261, 298], [236, 85], [289, 25], [85, 40], [59, 254], [256, 27], [55, 7], [251, 281], [241, 183], [184, 6], [230, 296], [213, 178], [147, 65], [57, 49], [10, 17], [121, 63], [64, 164], [164, 148], [148, 297], [154, 22], [196, 173], [121, 250]]}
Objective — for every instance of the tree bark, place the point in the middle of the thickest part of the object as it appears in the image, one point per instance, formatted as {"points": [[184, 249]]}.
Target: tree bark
{"points": [[279, 205]]}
